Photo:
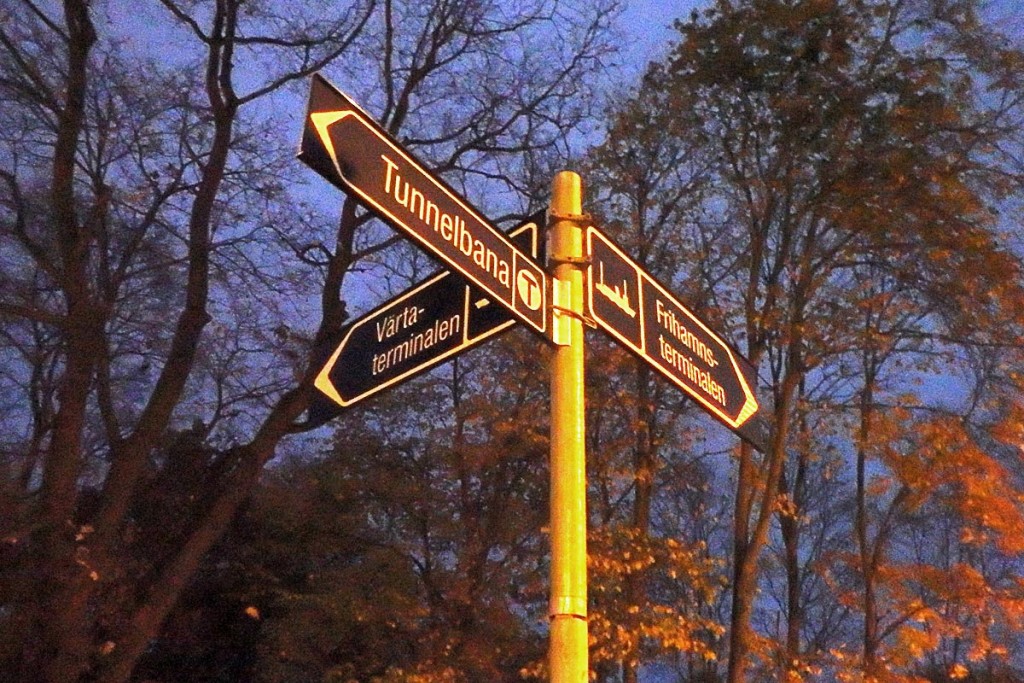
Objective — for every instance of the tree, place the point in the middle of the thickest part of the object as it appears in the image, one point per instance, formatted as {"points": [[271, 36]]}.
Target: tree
{"points": [[146, 206], [841, 135], [409, 549], [646, 180]]}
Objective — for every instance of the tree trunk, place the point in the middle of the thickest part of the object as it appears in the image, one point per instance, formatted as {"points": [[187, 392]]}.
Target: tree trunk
{"points": [[748, 546], [131, 642], [789, 526], [58, 648], [867, 560], [644, 454]]}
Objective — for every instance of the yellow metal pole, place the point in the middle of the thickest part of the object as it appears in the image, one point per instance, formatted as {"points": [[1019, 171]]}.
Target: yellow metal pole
{"points": [[567, 610]]}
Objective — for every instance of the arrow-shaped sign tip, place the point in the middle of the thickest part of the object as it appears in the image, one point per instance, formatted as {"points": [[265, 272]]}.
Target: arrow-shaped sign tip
{"points": [[321, 121]]}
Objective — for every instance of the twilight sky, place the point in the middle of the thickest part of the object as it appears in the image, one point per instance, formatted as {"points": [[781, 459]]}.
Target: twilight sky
{"points": [[647, 28]]}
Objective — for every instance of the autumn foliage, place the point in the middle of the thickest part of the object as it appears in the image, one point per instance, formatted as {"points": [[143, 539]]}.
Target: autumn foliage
{"points": [[834, 185]]}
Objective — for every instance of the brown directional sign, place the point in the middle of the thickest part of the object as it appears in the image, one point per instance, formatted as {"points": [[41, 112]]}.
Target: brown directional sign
{"points": [[635, 309], [346, 146], [428, 324]]}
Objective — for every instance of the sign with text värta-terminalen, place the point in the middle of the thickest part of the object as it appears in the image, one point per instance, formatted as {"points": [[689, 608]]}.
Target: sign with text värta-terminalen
{"points": [[429, 323], [347, 147], [634, 308]]}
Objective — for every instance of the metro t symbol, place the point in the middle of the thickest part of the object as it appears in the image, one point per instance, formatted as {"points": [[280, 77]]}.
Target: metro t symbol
{"points": [[529, 290]]}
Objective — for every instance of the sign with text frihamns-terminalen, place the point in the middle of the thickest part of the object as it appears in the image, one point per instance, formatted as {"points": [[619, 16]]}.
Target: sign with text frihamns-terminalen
{"points": [[629, 304], [348, 148]]}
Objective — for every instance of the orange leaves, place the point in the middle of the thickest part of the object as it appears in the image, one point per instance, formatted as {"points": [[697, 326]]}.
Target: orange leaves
{"points": [[926, 607], [967, 605], [912, 643], [422, 674], [627, 570], [958, 672], [940, 460], [943, 514]]}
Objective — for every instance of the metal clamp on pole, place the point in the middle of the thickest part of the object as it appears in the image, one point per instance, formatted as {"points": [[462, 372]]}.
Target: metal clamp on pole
{"points": [[562, 311], [579, 217], [567, 607], [574, 260]]}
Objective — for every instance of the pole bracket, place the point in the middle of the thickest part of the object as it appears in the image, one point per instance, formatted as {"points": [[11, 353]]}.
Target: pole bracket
{"points": [[568, 606], [574, 217], [568, 312], [561, 311], [571, 260]]}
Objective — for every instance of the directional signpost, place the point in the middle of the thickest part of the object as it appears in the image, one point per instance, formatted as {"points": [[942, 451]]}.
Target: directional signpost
{"points": [[491, 285], [628, 303], [427, 324], [346, 146]]}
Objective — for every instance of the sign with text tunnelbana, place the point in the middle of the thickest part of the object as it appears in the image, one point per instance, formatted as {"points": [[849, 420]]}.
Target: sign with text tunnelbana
{"points": [[635, 309], [348, 148]]}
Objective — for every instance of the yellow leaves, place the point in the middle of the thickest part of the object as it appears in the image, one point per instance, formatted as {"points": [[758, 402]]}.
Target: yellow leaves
{"points": [[624, 565], [786, 506], [939, 460], [912, 642], [424, 673], [958, 672]]}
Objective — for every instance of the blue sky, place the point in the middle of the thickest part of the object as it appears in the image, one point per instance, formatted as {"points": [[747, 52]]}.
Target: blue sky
{"points": [[647, 28]]}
